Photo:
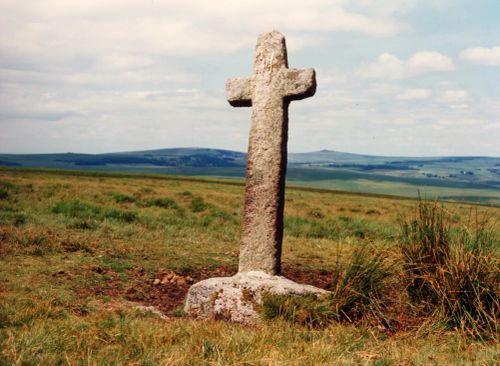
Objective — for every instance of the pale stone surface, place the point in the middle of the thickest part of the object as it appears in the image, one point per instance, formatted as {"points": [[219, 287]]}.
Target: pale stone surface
{"points": [[269, 92], [239, 298]]}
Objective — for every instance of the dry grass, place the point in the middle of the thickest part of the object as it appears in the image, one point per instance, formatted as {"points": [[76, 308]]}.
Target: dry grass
{"points": [[65, 269], [453, 269]]}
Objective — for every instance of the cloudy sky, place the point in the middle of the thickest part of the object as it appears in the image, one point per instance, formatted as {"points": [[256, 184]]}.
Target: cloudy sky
{"points": [[406, 77]]}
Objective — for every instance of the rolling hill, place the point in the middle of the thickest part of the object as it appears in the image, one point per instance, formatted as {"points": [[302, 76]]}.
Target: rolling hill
{"points": [[475, 179]]}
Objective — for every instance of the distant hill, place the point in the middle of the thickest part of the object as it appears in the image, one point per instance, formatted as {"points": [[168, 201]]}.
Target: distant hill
{"points": [[459, 168], [188, 157], [469, 178]]}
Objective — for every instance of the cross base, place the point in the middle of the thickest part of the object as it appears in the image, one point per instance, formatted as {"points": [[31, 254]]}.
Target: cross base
{"points": [[239, 298]]}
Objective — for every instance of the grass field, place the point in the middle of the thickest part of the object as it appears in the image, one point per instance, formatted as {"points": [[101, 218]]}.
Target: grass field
{"points": [[82, 257], [467, 179]]}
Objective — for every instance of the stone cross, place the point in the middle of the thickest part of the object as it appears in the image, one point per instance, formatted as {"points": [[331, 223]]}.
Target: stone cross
{"points": [[269, 92]]}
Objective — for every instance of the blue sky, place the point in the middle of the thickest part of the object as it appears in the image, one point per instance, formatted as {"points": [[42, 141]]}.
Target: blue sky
{"points": [[407, 78]]}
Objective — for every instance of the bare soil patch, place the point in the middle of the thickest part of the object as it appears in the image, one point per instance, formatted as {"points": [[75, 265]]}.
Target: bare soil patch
{"points": [[167, 290]]}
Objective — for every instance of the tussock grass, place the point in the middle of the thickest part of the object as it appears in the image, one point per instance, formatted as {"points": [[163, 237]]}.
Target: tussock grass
{"points": [[356, 290], [453, 271], [357, 287]]}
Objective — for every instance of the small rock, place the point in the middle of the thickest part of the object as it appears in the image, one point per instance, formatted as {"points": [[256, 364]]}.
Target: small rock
{"points": [[180, 281], [156, 281], [168, 278]]}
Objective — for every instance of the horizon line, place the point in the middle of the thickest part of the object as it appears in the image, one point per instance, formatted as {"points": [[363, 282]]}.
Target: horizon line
{"points": [[244, 152]]}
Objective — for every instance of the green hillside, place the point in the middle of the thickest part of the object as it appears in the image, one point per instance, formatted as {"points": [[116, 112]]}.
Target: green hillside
{"points": [[474, 179]]}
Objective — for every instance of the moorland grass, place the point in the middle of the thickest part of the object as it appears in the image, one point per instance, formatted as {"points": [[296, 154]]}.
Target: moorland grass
{"points": [[165, 202], [453, 272], [356, 289], [4, 194], [86, 211], [67, 267], [197, 204], [119, 198], [334, 228]]}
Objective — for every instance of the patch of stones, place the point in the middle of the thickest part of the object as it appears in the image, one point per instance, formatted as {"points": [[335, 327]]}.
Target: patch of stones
{"points": [[172, 278]]}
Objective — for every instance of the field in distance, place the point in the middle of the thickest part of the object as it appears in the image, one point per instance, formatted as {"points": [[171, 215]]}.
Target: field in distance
{"points": [[83, 257], [472, 179]]}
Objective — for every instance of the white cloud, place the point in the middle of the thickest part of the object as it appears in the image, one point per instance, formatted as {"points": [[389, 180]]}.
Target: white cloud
{"points": [[187, 91], [124, 61], [453, 96], [422, 62], [414, 94], [381, 89], [110, 75], [481, 55], [389, 66], [60, 29], [386, 6], [455, 99], [460, 122], [131, 46]]}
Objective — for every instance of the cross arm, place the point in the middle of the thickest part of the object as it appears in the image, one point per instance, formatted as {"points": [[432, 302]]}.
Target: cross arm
{"points": [[299, 83], [239, 91]]}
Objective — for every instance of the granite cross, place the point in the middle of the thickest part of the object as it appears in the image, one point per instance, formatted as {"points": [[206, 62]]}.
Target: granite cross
{"points": [[269, 92]]}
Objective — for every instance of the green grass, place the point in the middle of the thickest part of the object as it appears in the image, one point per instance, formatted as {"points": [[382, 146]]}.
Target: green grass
{"points": [[339, 180], [85, 211], [12, 218], [119, 198], [453, 272], [197, 204], [77, 209], [333, 228], [356, 289], [163, 203], [75, 264], [358, 286], [4, 194]]}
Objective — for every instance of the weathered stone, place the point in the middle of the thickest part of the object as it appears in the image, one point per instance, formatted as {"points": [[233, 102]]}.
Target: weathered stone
{"points": [[239, 298], [269, 92]]}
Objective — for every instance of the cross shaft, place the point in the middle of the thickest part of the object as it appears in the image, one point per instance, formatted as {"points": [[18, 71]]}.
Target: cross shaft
{"points": [[269, 91]]}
